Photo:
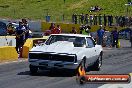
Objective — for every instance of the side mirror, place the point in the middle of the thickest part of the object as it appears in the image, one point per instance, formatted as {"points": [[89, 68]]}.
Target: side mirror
{"points": [[94, 42]]}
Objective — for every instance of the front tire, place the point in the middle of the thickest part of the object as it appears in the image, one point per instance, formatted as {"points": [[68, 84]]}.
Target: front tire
{"points": [[82, 67], [33, 69], [98, 63], [81, 72]]}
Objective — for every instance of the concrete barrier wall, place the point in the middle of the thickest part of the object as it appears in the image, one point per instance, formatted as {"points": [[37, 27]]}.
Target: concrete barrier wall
{"points": [[10, 41], [7, 41], [8, 53], [28, 46], [66, 28]]}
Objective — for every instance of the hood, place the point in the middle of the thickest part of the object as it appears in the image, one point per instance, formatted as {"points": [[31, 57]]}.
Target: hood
{"points": [[59, 47]]}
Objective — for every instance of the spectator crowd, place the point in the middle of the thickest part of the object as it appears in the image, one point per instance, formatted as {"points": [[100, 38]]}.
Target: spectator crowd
{"points": [[106, 20], [103, 36], [22, 33]]}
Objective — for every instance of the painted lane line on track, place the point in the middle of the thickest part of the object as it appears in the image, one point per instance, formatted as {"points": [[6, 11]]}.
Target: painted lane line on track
{"points": [[9, 62]]}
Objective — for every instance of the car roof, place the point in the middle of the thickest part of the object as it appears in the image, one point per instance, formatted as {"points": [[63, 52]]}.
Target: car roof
{"points": [[78, 35]]}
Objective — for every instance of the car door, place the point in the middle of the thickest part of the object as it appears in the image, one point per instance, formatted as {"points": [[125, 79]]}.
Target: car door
{"points": [[90, 46]]}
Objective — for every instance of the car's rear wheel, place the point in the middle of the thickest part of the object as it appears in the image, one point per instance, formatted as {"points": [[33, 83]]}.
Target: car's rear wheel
{"points": [[98, 63], [33, 69]]}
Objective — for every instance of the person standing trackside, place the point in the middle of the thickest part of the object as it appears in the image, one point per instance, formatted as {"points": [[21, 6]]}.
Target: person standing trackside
{"points": [[81, 28], [131, 37], [105, 20], [52, 28], [100, 19], [75, 18], [19, 37], [91, 19], [74, 31], [86, 19], [58, 29], [85, 30], [82, 17], [100, 35], [115, 37], [26, 27], [110, 20], [95, 19]]}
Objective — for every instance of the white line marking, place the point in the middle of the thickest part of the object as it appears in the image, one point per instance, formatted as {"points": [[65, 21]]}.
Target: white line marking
{"points": [[9, 62]]}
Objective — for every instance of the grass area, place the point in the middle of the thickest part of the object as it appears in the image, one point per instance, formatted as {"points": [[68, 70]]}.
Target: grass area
{"points": [[38, 9]]}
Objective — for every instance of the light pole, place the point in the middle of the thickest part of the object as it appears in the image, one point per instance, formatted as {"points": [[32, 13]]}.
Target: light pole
{"points": [[127, 9]]}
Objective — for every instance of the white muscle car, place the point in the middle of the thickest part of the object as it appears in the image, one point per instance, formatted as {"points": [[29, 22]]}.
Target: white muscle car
{"points": [[66, 51]]}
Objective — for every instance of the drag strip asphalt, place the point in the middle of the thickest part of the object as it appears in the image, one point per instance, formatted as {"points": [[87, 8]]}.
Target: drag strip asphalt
{"points": [[17, 75]]}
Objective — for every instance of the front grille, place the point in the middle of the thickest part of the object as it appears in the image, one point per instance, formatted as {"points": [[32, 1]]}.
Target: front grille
{"points": [[53, 57]]}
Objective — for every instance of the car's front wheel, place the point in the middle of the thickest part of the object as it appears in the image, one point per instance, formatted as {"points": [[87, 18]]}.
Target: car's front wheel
{"points": [[81, 68], [98, 63], [33, 69], [81, 71]]}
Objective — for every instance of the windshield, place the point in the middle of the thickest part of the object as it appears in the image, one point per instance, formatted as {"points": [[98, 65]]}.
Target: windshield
{"points": [[77, 41]]}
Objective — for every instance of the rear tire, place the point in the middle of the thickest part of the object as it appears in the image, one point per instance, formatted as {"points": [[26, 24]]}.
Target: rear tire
{"points": [[33, 69]]}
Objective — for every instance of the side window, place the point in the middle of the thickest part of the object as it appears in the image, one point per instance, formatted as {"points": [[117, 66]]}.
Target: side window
{"points": [[79, 42], [90, 42]]}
